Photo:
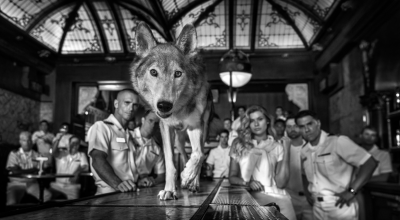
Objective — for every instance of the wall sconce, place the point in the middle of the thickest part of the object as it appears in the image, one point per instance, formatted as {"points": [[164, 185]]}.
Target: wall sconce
{"points": [[235, 68], [235, 71]]}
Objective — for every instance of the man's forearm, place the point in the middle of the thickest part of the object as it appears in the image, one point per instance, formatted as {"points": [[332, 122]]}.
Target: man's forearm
{"points": [[106, 172], [364, 174]]}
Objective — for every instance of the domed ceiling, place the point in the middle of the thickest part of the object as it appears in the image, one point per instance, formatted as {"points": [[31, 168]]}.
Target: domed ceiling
{"points": [[108, 26]]}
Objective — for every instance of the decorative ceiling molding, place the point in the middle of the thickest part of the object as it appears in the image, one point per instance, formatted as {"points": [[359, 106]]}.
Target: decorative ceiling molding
{"points": [[294, 22], [101, 30], [306, 9], [45, 12], [68, 24], [289, 20], [181, 13], [119, 25], [256, 5], [206, 12], [142, 16], [158, 9]]}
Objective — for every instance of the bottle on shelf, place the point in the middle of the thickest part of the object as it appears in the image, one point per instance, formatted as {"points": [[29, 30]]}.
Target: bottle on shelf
{"points": [[397, 99], [397, 138]]}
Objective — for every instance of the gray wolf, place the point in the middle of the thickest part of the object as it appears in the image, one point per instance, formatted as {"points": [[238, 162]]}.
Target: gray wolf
{"points": [[171, 78]]}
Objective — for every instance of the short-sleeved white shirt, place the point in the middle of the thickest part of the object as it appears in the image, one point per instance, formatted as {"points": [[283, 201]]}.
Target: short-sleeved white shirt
{"points": [[111, 138], [69, 164], [383, 157], [330, 165], [23, 160], [295, 183], [148, 155], [220, 159], [263, 158]]}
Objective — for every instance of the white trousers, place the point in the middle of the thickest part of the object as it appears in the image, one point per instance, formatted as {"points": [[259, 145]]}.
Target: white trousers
{"points": [[302, 208], [326, 210]]}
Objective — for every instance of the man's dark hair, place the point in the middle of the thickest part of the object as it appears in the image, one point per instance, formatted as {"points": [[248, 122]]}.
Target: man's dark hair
{"points": [[44, 121], [278, 107], [291, 117], [147, 112], [305, 113], [280, 121], [227, 119], [224, 131], [243, 107], [369, 127]]}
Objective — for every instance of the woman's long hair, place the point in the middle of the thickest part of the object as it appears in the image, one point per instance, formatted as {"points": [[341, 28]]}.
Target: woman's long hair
{"points": [[242, 144]]}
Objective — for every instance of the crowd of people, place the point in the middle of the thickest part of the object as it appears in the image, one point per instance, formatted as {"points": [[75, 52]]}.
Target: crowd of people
{"points": [[286, 159], [291, 161]]}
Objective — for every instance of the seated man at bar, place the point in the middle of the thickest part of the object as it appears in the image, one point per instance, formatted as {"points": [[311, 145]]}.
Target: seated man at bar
{"points": [[148, 154], [110, 147], [329, 163], [369, 138], [218, 160], [68, 161], [23, 162]]}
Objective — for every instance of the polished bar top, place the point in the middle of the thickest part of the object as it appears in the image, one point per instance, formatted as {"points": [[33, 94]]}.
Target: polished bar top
{"points": [[41, 176], [148, 197], [212, 202]]}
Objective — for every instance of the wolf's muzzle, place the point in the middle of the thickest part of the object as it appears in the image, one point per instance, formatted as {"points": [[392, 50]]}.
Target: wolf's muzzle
{"points": [[164, 106]]}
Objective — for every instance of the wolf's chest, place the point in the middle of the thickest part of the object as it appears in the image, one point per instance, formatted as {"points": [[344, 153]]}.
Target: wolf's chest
{"points": [[183, 122]]}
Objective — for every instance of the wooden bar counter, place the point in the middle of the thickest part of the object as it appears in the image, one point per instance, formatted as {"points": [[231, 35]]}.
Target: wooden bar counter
{"points": [[216, 200]]}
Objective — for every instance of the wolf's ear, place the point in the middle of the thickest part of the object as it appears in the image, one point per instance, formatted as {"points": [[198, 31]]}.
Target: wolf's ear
{"points": [[187, 40], [144, 39]]}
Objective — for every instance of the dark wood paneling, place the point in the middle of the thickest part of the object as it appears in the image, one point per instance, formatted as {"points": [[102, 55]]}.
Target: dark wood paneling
{"points": [[67, 76], [388, 56], [11, 73], [270, 67]]}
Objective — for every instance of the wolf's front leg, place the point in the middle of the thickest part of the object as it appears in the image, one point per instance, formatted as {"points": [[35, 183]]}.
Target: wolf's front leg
{"points": [[193, 166], [169, 191]]}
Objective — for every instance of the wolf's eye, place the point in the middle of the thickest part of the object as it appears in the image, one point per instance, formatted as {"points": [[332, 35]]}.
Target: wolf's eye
{"points": [[178, 74], [153, 72]]}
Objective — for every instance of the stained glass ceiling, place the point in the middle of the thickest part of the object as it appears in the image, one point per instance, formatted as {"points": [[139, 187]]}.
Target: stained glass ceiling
{"points": [[108, 26]]}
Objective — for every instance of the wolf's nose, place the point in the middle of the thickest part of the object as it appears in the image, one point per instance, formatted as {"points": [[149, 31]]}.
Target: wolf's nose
{"points": [[164, 106]]}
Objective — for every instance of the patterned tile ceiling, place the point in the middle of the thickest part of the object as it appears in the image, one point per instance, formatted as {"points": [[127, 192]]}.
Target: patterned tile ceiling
{"points": [[108, 26]]}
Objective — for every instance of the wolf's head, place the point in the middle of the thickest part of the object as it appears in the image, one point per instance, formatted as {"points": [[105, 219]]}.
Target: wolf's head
{"points": [[167, 76]]}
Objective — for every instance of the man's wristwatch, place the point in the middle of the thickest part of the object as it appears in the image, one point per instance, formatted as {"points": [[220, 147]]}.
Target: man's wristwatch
{"points": [[352, 191]]}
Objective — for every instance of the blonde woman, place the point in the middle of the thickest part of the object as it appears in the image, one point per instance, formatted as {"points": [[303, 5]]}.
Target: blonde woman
{"points": [[260, 162]]}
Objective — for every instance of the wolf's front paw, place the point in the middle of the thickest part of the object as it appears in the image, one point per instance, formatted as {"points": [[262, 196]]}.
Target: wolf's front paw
{"points": [[194, 186], [167, 195], [189, 174]]}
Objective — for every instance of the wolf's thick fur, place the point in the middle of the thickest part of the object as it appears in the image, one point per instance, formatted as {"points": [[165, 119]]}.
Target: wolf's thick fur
{"points": [[171, 79]]}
